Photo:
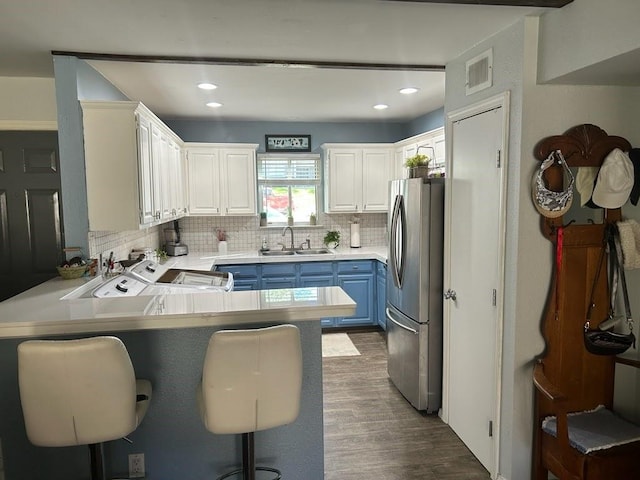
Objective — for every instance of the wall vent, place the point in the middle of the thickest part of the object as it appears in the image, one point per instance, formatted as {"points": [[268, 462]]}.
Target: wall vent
{"points": [[479, 72]]}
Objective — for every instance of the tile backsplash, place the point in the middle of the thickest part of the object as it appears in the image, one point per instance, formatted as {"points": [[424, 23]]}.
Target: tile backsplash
{"points": [[243, 234], [121, 243]]}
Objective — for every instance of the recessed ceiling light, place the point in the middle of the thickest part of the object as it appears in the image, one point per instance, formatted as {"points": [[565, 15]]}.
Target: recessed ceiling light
{"points": [[207, 86], [214, 104], [408, 90], [381, 106]]}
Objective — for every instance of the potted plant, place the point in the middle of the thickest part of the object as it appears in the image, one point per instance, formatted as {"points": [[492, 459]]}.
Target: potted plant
{"points": [[263, 219], [161, 255], [332, 239], [312, 219], [418, 165]]}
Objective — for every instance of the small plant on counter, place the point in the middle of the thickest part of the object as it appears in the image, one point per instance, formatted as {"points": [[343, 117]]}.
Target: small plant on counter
{"points": [[332, 238], [312, 219], [161, 255]]}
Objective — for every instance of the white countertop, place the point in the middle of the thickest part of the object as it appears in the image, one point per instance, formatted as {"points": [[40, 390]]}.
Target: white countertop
{"points": [[204, 260], [40, 310]]}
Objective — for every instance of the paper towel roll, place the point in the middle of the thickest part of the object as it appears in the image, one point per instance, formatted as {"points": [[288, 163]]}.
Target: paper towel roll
{"points": [[355, 235]]}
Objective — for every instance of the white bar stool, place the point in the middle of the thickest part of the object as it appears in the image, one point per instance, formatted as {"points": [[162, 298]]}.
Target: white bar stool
{"points": [[251, 381], [80, 392]]}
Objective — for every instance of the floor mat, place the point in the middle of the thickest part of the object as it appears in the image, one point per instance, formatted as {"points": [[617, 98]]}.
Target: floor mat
{"points": [[338, 345]]}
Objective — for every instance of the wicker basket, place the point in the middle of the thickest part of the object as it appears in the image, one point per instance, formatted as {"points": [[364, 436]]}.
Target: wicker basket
{"points": [[69, 273]]}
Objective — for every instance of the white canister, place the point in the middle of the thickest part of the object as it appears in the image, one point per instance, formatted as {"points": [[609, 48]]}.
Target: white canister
{"points": [[222, 247], [355, 235]]}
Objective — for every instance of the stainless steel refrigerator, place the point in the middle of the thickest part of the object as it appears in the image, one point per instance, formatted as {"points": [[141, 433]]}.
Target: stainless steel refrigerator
{"points": [[414, 290]]}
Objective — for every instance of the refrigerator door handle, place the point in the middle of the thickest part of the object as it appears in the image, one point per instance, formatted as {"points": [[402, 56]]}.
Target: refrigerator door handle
{"points": [[389, 317], [392, 241], [398, 263]]}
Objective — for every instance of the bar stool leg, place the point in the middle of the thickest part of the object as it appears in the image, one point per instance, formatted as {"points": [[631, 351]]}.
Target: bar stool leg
{"points": [[97, 461], [248, 457]]}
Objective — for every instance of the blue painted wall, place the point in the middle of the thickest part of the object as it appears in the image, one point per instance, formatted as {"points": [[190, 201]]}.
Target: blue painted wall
{"points": [[425, 123], [254, 132], [76, 80]]}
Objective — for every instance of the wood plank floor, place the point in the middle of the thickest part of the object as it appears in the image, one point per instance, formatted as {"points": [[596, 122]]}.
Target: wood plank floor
{"points": [[372, 432]]}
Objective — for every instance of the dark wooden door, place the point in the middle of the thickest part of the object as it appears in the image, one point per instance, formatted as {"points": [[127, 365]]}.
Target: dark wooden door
{"points": [[31, 236]]}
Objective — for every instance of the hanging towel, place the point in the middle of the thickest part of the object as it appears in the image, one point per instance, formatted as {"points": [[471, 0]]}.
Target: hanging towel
{"points": [[630, 243]]}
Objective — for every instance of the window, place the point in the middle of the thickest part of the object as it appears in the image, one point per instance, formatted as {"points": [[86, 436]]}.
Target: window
{"points": [[288, 184]]}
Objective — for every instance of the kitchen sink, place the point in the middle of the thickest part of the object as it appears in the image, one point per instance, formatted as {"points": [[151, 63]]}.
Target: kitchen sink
{"points": [[313, 251], [276, 253], [298, 251]]}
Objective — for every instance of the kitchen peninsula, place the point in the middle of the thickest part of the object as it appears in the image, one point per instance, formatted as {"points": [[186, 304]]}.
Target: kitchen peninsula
{"points": [[166, 336]]}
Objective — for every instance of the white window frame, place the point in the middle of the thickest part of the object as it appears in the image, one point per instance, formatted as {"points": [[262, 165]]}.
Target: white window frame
{"points": [[290, 182]]}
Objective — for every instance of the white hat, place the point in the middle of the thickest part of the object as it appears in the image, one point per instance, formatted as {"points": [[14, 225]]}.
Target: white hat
{"points": [[584, 183], [615, 180]]}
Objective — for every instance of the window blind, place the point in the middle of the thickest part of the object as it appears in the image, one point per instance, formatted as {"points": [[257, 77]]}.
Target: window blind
{"points": [[291, 169]]}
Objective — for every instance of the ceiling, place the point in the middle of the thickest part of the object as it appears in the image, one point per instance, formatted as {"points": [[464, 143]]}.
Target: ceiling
{"points": [[393, 33]]}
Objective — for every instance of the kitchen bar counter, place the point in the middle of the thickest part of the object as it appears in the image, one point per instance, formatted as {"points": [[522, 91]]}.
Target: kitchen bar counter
{"points": [[39, 311], [167, 336]]}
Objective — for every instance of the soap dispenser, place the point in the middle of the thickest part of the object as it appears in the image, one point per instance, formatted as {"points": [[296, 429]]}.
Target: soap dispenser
{"points": [[265, 245]]}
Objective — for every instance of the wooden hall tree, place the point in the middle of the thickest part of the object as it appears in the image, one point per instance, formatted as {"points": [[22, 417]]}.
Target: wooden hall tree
{"points": [[568, 378]]}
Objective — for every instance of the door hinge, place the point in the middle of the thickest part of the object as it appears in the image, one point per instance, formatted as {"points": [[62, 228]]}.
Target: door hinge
{"points": [[494, 297], [498, 159], [490, 428]]}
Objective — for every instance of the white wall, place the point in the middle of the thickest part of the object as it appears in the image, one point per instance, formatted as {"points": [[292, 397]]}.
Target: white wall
{"points": [[537, 111], [27, 103], [587, 32]]}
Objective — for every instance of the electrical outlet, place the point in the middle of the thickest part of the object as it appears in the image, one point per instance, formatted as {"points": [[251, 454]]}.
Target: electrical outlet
{"points": [[136, 465]]}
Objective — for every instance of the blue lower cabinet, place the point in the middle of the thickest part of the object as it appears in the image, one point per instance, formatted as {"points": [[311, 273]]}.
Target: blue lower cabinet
{"points": [[357, 278], [360, 288], [240, 285], [270, 283], [381, 295], [279, 275], [360, 279], [245, 277], [320, 281]]}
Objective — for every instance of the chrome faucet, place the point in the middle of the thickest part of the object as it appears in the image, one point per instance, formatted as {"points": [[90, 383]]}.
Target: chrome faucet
{"points": [[284, 230], [307, 242]]}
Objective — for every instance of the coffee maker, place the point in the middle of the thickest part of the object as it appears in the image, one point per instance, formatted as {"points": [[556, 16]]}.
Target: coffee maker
{"points": [[173, 246]]}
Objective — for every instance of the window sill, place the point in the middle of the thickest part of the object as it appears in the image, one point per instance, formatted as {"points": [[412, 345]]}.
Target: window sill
{"points": [[295, 226]]}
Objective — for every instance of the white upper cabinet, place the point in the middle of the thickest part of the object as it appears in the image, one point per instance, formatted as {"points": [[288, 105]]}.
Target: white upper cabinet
{"points": [[357, 177], [239, 180], [377, 170], [429, 143], [145, 170], [130, 181], [221, 178]]}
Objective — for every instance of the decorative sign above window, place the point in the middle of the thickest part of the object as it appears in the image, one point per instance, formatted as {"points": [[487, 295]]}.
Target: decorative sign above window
{"points": [[287, 143]]}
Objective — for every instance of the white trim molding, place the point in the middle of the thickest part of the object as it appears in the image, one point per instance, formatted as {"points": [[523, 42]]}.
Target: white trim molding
{"points": [[28, 125]]}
